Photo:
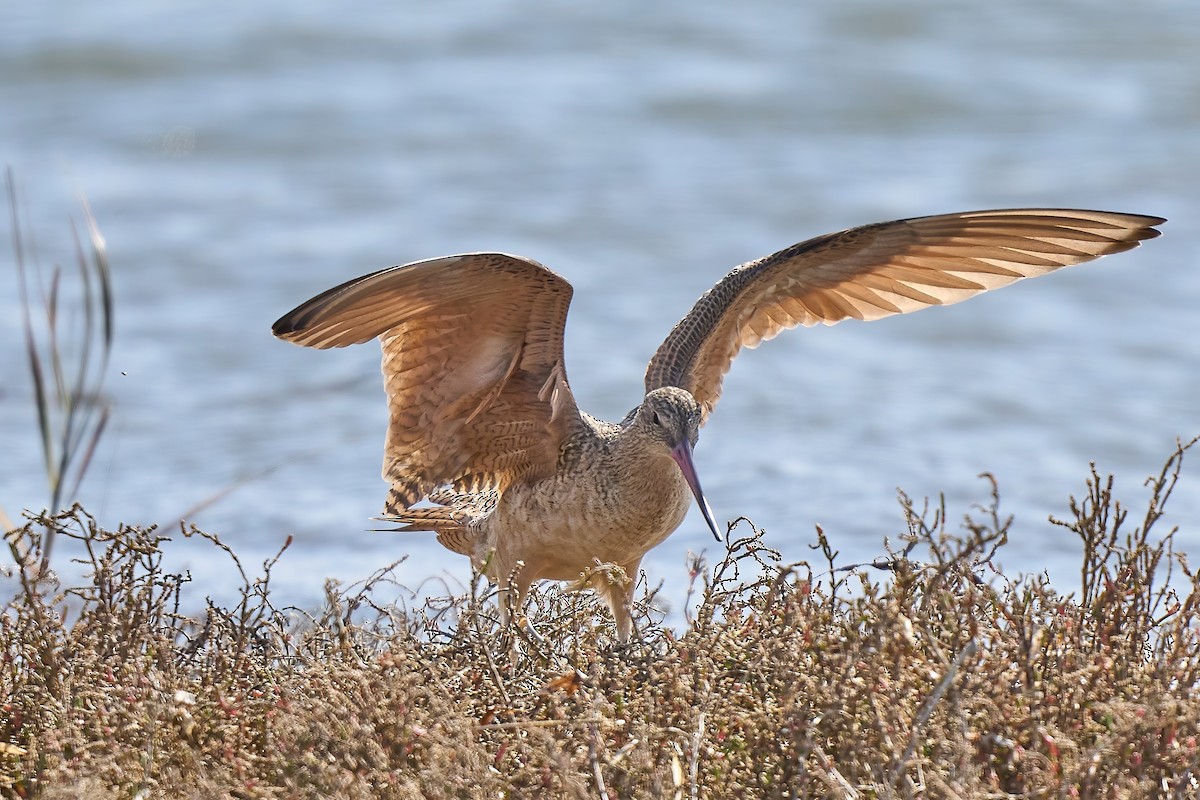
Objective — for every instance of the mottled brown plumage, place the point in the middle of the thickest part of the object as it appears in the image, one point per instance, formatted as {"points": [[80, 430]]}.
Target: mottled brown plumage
{"points": [[484, 426]]}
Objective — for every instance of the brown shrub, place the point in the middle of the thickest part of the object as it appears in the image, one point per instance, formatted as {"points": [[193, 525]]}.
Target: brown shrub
{"points": [[937, 677]]}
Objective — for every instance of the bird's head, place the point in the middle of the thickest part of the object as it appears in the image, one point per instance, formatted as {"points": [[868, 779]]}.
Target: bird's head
{"points": [[671, 416]]}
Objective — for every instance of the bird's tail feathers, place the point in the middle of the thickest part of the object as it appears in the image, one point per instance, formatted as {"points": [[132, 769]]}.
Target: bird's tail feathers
{"points": [[450, 518]]}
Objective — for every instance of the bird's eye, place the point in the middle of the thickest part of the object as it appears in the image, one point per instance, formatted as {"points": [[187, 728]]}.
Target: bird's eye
{"points": [[657, 420]]}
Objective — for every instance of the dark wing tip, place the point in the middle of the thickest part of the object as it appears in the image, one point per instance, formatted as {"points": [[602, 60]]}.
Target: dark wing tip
{"points": [[286, 325], [1146, 229], [1146, 225], [310, 322], [1151, 230], [296, 325], [292, 325]]}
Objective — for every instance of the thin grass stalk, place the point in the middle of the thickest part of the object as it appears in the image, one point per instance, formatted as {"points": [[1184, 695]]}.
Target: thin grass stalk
{"points": [[35, 365], [88, 435], [67, 383]]}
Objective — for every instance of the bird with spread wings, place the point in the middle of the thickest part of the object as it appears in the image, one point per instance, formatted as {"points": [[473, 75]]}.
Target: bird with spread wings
{"points": [[484, 427]]}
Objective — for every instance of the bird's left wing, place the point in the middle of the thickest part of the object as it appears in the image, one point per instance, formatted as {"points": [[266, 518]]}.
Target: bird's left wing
{"points": [[875, 271]]}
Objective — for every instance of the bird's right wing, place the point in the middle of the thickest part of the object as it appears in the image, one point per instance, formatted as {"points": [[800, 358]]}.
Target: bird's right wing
{"points": [[875, 271], [472, 363]]}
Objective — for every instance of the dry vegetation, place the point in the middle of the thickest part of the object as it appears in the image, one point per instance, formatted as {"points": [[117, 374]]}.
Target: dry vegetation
{"points": [[928, 674]]}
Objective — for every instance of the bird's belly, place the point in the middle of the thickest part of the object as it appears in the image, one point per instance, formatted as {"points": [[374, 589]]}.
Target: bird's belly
{"points": [[561, 527]]}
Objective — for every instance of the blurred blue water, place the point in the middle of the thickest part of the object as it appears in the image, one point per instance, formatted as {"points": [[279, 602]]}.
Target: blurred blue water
{"points": [[241, 159]]}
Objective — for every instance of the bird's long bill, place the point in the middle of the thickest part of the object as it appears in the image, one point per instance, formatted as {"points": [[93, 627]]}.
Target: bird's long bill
{"points": [[682, 453]]}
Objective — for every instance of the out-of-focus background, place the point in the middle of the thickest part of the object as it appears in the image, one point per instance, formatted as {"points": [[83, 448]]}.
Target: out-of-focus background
{"points": [[242, 159]]}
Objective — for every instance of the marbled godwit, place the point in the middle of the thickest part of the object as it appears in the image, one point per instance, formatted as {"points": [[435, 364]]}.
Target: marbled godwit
{"points": [[484, 425]]}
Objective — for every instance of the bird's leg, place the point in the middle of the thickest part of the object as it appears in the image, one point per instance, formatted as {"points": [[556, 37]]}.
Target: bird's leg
{"points": [[514, 592], [617, 591]]}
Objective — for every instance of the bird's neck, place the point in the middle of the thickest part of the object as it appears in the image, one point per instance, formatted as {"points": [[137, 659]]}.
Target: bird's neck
{"points": [[645, 471]]}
